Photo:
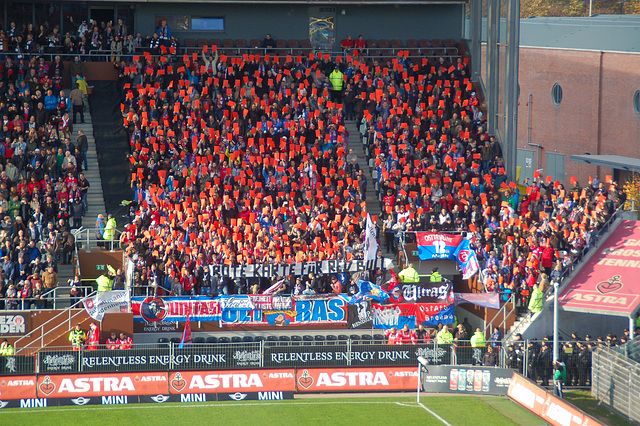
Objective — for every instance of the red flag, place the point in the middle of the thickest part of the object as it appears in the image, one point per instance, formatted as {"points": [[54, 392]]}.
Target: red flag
{"points": [[186, 334]]}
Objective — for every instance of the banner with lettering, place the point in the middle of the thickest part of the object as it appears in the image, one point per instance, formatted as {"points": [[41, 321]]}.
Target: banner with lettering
{"points": [[427, 292], [389, 316], [282, 270], [434, 245], [432, 314], [317, 310], [174, 309]]}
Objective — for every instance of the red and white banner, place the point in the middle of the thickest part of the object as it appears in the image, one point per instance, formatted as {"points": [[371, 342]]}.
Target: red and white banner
{"points": [[548, 407], [356, 379], [608, 283], [91, 385], [17, 387], [231, 381]]}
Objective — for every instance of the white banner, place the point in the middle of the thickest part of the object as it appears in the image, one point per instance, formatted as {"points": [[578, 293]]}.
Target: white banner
{"points": [[108, 302], [370, 241]]}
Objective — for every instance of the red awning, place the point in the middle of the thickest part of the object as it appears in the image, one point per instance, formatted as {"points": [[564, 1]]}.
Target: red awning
{"points": [[609, 283]]}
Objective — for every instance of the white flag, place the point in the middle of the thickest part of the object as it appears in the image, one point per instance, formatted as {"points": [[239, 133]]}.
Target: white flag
{"points": [[370, 242], [108, 302]]}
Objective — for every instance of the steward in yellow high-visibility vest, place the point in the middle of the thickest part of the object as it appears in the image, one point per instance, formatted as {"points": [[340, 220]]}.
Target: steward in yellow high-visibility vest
{"points": [[409, 275], [478, 340], [105, 282], [337, 80]]}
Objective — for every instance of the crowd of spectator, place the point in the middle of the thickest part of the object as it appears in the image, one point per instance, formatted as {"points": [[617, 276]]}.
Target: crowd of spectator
{"points": [[240, 160], [43, 192]]}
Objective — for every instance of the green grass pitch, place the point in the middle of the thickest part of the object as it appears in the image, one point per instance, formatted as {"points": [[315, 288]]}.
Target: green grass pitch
{"points": [[456, 410]]}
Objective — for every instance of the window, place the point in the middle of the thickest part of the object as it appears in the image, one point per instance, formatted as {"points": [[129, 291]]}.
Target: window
{"points": [[207, 24], [636, 102], [556, 94]]}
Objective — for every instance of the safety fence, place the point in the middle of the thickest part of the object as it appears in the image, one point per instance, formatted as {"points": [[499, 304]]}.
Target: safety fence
{"points": [[616, 382], [268, 354]]}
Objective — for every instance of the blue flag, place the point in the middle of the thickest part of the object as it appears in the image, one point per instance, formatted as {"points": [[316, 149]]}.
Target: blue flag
{"points": [[467, 260]]}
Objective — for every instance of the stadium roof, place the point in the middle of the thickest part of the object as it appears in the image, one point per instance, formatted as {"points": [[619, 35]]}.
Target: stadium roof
{"points": [[613, 161], [600, 32]]}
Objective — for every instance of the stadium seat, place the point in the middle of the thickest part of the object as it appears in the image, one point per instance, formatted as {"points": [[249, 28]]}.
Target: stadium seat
{"points": [[305, 47], [343, 338], [212, 339], [331, 339], [216, 42], [355, 338], [247, 339], [202, 42], [396, 44], [189, 42], [224, 340], [365, 339], [199, 341], [255, 43], [293, 43], [371, 43], [258, 339], [162, 342], [284, 339], [272, 339], [236, 339], [379, 338], [319, 338], [242, 46], [296, 340], [175, 340], [436, 42], [412, 42], [449, 43], [281, 44], [227, 46], [308, 340], [424, 45]]}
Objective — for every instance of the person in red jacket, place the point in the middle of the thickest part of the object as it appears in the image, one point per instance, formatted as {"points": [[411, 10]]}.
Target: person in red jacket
{"points": [[112, 342], [407, 336], [392, 336], [125, 342], [93, 338]]}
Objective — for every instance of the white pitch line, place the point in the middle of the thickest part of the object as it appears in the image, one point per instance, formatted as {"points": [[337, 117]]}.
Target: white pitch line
{"points": [[433, 413], [213, 404]]}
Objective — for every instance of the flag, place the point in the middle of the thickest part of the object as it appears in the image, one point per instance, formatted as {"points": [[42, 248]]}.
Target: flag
{"points": [[371, 291], [389, 316], [394, 289], [370, 241], [114, 301], [186, 334], [433, 245], [366, 290], [485, 300], [432, 314], [467, 260], [275, 287]]}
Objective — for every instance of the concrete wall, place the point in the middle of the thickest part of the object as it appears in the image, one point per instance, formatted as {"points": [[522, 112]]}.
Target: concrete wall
{"points": [[596, 114], [287, 21]]}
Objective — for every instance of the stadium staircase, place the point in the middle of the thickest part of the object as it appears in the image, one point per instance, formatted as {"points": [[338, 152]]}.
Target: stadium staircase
{"points": [[368, 166], [51, 331], [527, 320], [95, 200]]}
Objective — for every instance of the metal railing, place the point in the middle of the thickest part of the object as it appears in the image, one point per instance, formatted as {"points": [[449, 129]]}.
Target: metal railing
{"points": [[448, 53], [49, 300], [504, 312], [87, 235], [526, 317], [38, 334]]}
